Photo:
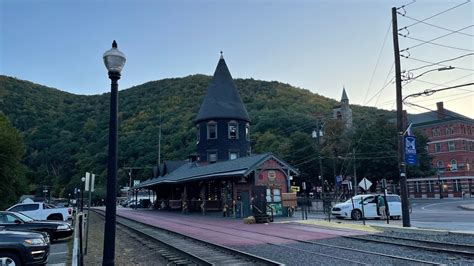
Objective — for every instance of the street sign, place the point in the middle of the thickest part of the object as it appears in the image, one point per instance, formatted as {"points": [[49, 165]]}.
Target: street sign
{"points": [[365, 184], [89, 178], [410, 150], [295, 188]]}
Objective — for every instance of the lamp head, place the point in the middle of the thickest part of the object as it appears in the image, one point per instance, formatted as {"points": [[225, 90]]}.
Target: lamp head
{"points": [[83, 179], [114, 59]]}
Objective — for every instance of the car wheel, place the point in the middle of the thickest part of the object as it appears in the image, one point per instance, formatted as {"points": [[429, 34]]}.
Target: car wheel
{"points": [[356, 215], [9, 259]]}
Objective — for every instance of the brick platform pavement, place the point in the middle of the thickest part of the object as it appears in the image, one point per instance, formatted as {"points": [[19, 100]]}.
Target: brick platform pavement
{"points": [[233, 232]]}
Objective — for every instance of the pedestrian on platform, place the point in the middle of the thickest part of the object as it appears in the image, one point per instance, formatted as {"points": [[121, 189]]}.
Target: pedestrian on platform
{"points": [[381, 205]]}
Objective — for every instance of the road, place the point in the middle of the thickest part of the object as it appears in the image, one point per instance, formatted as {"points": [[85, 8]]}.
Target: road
{"points": [[58, 253], [443, 214]]}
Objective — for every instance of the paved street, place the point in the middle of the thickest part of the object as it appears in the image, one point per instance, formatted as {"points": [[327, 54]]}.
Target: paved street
{"points": [[58, 253], [443, 214]]}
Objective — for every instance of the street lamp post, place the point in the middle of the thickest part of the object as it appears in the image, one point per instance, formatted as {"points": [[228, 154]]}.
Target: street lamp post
{"points": [[114, 61], [316, 135], [83, 179]]}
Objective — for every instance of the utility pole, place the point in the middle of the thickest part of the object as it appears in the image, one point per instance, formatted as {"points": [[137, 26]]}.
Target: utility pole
{"points": [[355, 171], [401, 152], [159, 142]]}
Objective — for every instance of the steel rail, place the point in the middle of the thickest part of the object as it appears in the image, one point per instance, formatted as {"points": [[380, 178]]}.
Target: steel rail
{"points": [[406, 259], [422, 244], [227, 256]]}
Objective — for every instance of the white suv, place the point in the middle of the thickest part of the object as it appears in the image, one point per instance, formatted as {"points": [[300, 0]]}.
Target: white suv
{"points": [[352, 208]]}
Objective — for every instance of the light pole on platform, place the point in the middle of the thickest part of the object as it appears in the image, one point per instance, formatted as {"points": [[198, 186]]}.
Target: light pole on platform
{"points": [[114, 61]]}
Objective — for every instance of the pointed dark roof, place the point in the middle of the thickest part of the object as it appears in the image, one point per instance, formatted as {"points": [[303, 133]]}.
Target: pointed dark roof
{"points": [[344, 95], [222, 98]]}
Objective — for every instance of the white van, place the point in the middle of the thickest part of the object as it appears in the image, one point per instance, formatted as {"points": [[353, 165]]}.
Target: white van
{"points": [[352, 208]]}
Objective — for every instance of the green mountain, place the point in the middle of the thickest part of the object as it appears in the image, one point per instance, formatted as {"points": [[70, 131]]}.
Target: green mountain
{"points": [[67, 134]]}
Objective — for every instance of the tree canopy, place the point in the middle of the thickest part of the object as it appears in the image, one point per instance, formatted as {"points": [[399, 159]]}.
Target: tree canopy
{"points": [[67, 135]]}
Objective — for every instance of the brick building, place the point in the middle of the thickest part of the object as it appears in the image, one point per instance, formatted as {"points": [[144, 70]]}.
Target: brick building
{"points": [[451, 146]]}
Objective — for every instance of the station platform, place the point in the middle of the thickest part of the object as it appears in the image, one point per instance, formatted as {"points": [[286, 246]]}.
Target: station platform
{"points": [[229, 231]]}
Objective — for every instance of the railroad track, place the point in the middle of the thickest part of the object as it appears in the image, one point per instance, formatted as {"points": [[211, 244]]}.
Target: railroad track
{"points": [[394, 259], [181, 249], [465, 250]]}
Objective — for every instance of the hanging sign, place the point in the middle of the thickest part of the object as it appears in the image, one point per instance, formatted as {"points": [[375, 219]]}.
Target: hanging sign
{"points": [[410, 150]]}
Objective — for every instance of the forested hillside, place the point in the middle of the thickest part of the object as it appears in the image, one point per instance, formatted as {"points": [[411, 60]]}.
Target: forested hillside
{"points": [[66, 134]]}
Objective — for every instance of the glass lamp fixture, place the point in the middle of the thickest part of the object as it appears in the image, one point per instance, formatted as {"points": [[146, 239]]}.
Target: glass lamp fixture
{"points": [[114, 59]]}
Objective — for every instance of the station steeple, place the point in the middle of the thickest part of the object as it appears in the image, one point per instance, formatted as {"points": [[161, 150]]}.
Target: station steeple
{"points": [[222, 98], [223, 124]]}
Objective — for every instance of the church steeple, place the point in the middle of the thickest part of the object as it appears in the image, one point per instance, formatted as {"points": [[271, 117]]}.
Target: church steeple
{"points": [[343, 111], [223, 124], [344, 95]]}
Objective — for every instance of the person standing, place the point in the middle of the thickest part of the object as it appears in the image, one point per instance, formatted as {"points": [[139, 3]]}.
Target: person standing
{"points": [[381, 205]]}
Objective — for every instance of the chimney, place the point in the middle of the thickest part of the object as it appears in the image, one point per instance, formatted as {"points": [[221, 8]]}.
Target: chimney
{"points": [[440, 107]]}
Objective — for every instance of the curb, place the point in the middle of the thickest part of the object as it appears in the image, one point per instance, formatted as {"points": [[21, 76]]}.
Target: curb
{"points": [[466, 207]]}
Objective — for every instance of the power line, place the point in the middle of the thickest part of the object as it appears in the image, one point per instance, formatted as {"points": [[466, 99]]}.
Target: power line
{"points": [[442, 61], [429, 92], [432, 63], [378, 60], [435, 15], [436, 26], [423, 42]]}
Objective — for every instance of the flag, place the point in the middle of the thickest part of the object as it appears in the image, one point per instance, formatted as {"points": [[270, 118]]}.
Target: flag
{"points": [[409, 131]]}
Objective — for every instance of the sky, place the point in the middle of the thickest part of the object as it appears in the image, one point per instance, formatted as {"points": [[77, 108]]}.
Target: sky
{"points": [[321, 46]]}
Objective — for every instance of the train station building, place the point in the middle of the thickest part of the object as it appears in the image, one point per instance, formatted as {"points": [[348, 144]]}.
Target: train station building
{"points": [[223, 175]]}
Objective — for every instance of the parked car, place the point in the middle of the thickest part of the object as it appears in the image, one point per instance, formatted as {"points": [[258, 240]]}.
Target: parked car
{"points": [[18, 221], [23, 248], [352, 208], [42, 211]]}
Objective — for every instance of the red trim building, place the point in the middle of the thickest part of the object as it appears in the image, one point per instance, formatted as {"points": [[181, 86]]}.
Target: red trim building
{"points": [[451, 146]]}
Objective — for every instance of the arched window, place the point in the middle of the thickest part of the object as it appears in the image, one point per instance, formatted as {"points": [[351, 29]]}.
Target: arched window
{"points": [[440, 165], [339, 115], [454, 165]]}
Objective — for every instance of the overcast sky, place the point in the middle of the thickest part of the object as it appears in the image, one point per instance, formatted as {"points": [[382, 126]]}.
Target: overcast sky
{"points": [[316, 45]]}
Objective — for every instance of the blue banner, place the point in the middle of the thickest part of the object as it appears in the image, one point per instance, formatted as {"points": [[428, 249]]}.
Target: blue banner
{"points": [[410, 150]]}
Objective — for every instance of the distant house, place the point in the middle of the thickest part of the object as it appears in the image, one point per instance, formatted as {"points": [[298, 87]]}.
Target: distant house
{"points": [[451, 144]]}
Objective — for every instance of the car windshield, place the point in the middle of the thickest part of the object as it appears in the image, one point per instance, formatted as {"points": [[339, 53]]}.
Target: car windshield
{"points": [[25, 218]]}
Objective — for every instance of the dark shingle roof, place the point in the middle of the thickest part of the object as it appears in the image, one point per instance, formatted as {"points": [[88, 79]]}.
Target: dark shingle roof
{"points": [[190, 171], [432, 117], [222, 98]]}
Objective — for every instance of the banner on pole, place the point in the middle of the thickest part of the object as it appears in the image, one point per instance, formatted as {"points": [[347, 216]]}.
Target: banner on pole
{"points": [[410, 150]]}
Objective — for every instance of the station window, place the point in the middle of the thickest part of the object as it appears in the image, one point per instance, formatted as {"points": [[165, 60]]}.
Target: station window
{"points": [[233, 130], [247, 131], [198, 134], [212, 130]]}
